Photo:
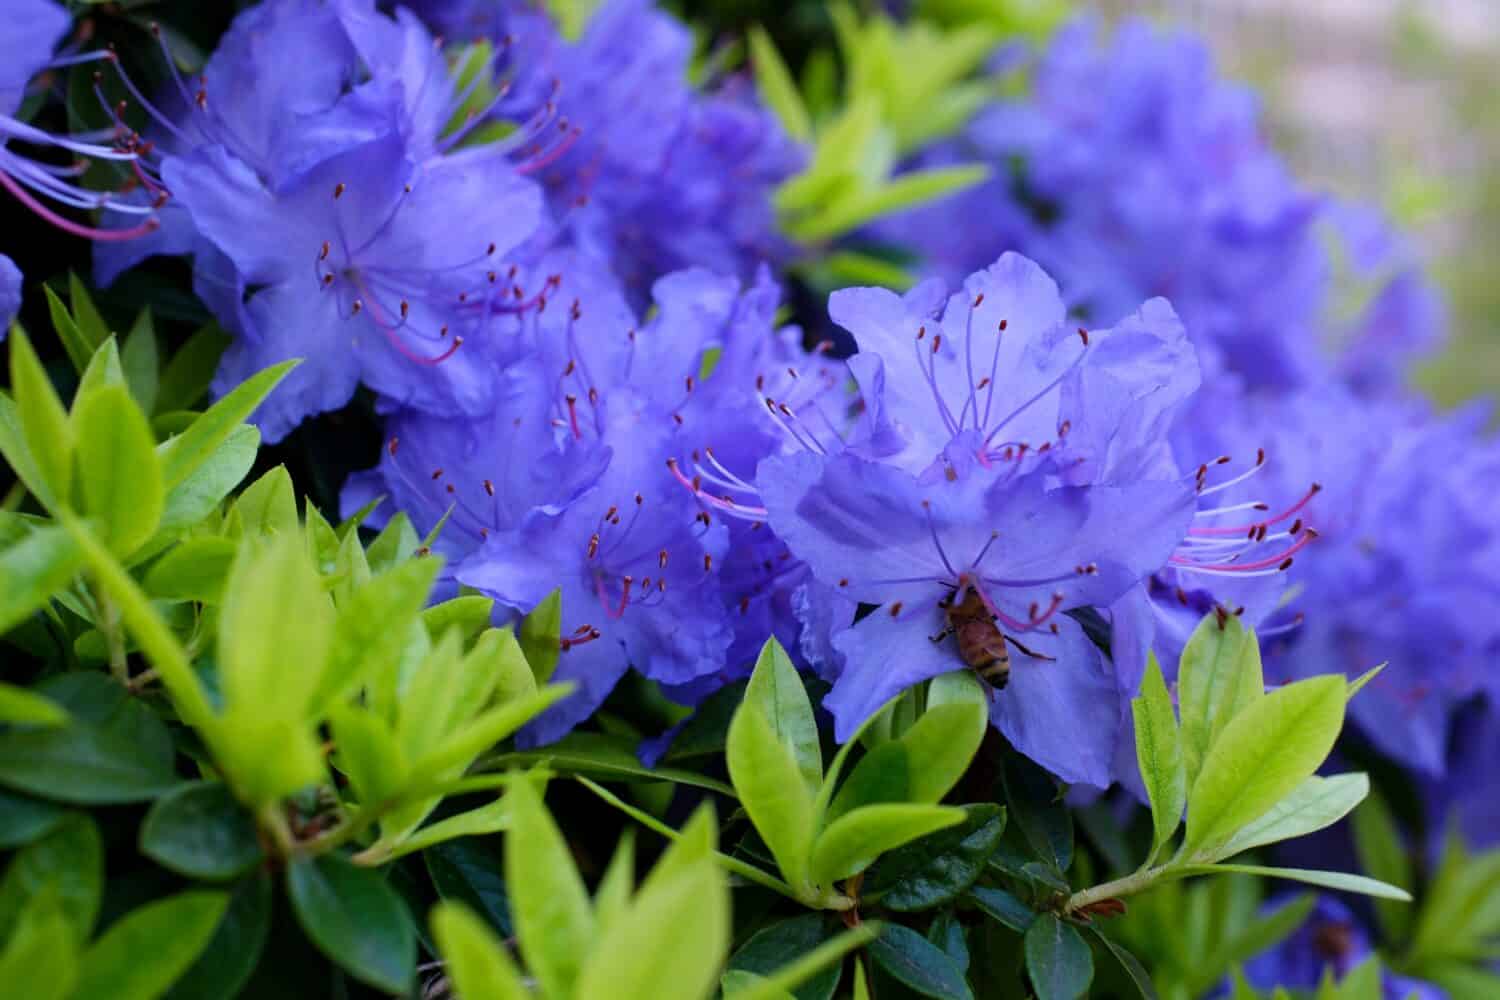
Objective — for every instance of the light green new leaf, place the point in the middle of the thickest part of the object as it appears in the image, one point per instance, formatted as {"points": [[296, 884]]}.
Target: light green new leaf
{"points": [[368, 753], [490, 818], [674, 938], [550, 906], [190, 449], [852, 842], [34, 569], [267, 506], [488, 728], [144, 952], [196, 570], [275, 629], [541, 636], [18, 706], [773, 791], [104, 368], [475, 960], [942, 743], [1158, 752], [1218, 676], [776, 690], [40, 961], [1312, 805], [1260, 757], [197, 496], [48, 435], [372, 629], [186, 377], [1460, 914], [1358, 684], [1340, 881], [122, 477], [776, 86]]}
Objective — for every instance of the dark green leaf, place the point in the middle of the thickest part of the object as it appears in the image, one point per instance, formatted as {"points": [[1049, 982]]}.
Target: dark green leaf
{"points": [[882, 775], [128, 758], [141, 954], [948, 934], [1134, 970], [24, 819], [231, 955], [201, 831], [1003, 907], [69, 862], [912, 960], [938, 868], [1383, 855], [706, 731], [140, 362], [784, 941], [185, 379], [1059, 963], [1037, 809], [469, 872], [91, 325], [355, 919]]}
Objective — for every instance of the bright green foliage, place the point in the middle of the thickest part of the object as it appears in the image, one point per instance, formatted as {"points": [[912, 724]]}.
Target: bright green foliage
{"points": [[1158, 747], [904, 85], [1218, 676]]}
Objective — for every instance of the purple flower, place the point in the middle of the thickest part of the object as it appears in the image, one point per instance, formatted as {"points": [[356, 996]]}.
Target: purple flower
{"points": [[33, 29], [10, 293], [1468, 795], [1331, 939]]}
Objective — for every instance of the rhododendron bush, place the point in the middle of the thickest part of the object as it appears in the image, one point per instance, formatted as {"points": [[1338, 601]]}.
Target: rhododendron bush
{"points": [[510, 499]]}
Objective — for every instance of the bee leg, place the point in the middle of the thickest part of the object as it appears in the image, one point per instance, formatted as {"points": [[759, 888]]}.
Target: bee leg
{"points": [[945, 633], [1034, 656]]}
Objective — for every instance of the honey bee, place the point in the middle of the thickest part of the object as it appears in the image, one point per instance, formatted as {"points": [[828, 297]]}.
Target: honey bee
{"points": [[981, 644]]}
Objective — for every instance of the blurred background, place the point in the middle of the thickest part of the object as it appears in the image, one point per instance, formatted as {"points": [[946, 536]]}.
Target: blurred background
{"points": [[1391, 101]]}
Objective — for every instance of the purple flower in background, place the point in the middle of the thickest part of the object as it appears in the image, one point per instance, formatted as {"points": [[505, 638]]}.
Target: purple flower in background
{"points": [[10, 293], [1331, 939], [1468, 795]]}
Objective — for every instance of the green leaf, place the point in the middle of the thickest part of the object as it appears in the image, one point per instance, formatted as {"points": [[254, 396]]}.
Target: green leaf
{"points": [[122, 477], [1003, 908], [1260, 757], [69, 863], [78, 348], [791, 976], [235, 948], [773, 790], [141, 954], [34, 569], [468, 872], [125, 759], [851, 843], [938, 868], [488, 728], [186, 377], [199, 830], [470, 614], [1037, 809], [1358, 684], [1462, 981], [1134, 970], [772, 947], [91, 325], [40, 960], [1158, 752], [1383, 855], [190, 449], [356, 919], [200, 494], [104, 369], [195, 570], [603, 756], [274, 602], [23, 819], [372, 630], [541, 633], [776, 87], [1312, 805], [140, 361], [551, 907], [476, 961], [267, 506], [917, 963], [18, 706], [1218, 676], [48, 435], [776, 691], [942, 743], [1058, 962], [1461, 907], [490, 818], [1342, 881]]}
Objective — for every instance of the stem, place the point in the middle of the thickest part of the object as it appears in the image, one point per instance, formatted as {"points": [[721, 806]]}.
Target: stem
{"points": [[1129, 885], [114, 637], [273, 821]]}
